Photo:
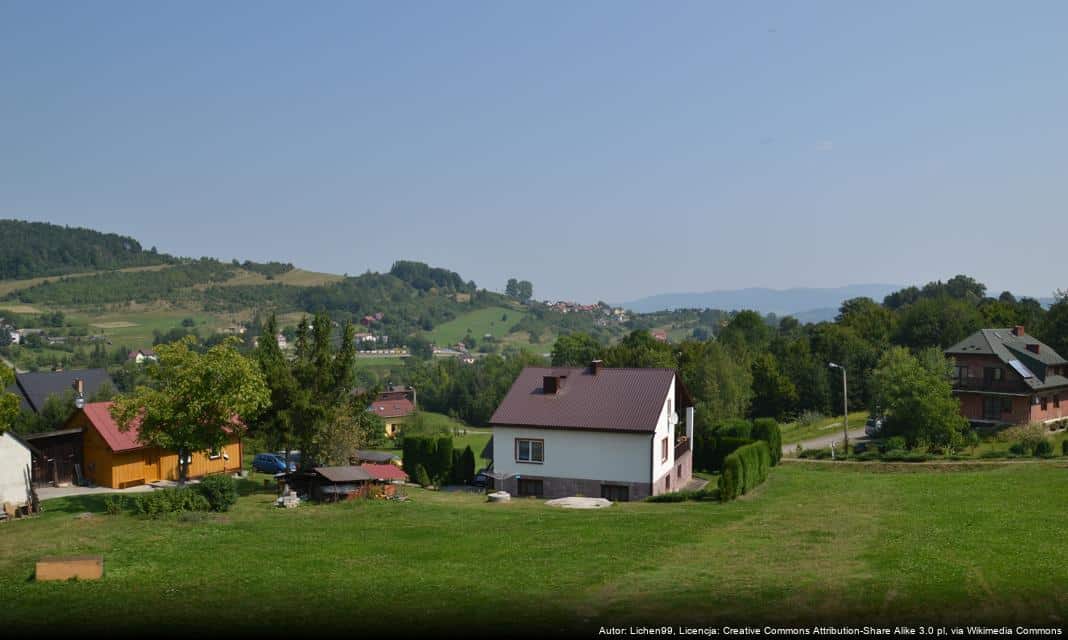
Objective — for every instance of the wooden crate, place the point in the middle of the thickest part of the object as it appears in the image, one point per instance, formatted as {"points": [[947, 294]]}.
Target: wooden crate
{"points": [[80, 567]]}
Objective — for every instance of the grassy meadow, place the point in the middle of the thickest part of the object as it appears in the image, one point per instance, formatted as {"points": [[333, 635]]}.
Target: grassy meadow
{"points": [[815, 544], [480, 322]]}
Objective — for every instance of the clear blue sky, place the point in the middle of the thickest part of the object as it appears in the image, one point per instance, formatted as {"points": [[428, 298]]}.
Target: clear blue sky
{"points": [[599, 149]]}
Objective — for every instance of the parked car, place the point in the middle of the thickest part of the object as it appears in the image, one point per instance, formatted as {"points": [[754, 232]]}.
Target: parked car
{"points": [[294, 458], [874, 426], [269, 463]]}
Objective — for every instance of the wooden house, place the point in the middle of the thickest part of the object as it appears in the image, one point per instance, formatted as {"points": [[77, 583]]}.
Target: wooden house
{"points": [[114, 458]]}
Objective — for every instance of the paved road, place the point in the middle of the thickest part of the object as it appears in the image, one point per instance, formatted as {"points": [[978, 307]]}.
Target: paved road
{"points": [[822, 442]]}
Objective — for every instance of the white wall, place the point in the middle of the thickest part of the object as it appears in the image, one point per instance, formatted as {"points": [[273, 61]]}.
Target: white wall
{"points": [[14, 463], [664, 429], [590, 455]]}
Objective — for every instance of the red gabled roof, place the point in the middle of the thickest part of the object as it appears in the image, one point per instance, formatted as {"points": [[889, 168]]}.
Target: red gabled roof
{"points": [[99, 415], [397, 408], [384, 471], [627, 400]]}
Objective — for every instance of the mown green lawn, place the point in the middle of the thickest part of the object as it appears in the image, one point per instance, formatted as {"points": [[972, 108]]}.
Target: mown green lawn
{"points": [[815, 544], [795, 432]]}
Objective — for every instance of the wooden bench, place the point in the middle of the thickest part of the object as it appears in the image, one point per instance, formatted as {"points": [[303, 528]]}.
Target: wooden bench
{"points": [[80, 567]]}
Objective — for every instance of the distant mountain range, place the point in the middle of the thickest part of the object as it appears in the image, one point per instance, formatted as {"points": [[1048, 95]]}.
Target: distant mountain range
{"points": [[805, 304]]}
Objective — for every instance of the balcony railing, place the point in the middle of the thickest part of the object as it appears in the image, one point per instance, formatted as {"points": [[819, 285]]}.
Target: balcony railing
{"points": [[681, 447], [996, 386]]}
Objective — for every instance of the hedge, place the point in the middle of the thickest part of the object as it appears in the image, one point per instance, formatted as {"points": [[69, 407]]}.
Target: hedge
{"points": [[721, 447], [744, 470], [767, 429], [734, 428]]}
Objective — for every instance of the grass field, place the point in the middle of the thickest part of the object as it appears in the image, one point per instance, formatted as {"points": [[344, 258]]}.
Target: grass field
{"points": [[794, 432], [480, 322], [135, 328], [815, 544]]}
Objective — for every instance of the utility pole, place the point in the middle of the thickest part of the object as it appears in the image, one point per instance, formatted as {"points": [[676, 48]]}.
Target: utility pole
{"points": [[845, 407]]}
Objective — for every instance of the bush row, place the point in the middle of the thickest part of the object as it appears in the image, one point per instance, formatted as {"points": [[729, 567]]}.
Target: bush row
{"points": [[432, 453], [213, 493], [708, 493], [724, 438], [744, 470]]}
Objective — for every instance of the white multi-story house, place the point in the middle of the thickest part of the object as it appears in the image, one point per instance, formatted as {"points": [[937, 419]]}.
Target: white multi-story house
{"points": [[593, 431]]}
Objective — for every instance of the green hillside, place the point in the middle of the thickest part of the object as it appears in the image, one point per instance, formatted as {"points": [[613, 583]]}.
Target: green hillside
{"points": [[34, 249], [496, 321]]}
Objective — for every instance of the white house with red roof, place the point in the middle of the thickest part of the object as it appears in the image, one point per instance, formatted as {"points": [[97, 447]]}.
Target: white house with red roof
{"points": [[593, 431]]}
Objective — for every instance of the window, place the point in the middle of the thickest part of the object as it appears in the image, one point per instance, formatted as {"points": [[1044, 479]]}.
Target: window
{"points": [[615, 492], [993, 408], [962, 373], [215, 454], [678, 471], [1045, 402], [667, 482], [664, 450], [992, 374], [1057, 401], [529, 450]]}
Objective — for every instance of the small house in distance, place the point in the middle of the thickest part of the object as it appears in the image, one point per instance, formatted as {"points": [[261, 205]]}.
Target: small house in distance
{"points": [[116, 459], [394, 407], [1007, 376], [593, 431], [141, 355]]}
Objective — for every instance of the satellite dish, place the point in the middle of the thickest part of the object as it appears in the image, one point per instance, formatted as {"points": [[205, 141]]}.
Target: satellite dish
{"points": [[79, 402]]}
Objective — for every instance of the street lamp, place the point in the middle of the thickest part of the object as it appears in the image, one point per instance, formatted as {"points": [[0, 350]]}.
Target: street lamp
{"points": [[845, 407]]}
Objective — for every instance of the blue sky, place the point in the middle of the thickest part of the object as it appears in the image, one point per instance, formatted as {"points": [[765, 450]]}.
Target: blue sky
{"points": [[599, 149]]}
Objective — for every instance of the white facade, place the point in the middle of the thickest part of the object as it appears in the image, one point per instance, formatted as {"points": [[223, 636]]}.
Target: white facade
{"points": [[15, 460], [605, 456]]}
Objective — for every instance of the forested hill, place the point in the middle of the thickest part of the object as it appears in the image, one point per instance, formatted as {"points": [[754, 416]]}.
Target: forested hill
{"points": [[33, 249]]}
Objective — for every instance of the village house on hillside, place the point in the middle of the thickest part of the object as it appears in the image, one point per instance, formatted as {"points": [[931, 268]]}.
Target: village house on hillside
{"points": [[394, 406], [593, 431], [141, 355], [1006, 376]]}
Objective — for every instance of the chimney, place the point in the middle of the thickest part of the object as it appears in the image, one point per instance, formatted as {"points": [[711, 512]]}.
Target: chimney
{"points": [[596, 366], [79, 386], [552, 385], [1018, 330], [1033, 348]]}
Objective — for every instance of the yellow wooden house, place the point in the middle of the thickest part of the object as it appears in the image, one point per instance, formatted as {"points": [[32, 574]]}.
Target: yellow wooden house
{"points": [[114, 458]]}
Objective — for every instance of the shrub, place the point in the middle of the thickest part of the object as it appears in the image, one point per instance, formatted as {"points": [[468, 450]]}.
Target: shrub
{"points": [[220, 491], [867, 456], [1064, 448], [735, 428], [767, 429], [720, 448], [895, 443], [114, 504], [160, 503], [1044, 449], [1019, 449], [915, 456], [421, 476], [744, 470], [990, 454], [895, 455]]}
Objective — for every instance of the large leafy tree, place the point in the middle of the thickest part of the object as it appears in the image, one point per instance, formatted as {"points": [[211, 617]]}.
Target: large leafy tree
{"points": [[916, 394], [774, 394], [193, 400], [9, 402], [937, 322], [324, 377], [1054, 328], [575, 349]]}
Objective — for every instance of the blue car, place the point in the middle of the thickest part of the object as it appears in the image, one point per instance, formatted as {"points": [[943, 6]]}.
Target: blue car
{"points": [[269, 463]]}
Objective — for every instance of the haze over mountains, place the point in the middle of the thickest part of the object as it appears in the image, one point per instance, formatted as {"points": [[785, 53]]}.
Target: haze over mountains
{"points": [[804, 303]]}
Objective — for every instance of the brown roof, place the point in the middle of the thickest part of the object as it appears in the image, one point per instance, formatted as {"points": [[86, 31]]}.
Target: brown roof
{"points": [[627, 400], [349, 473], [392, 408]]}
